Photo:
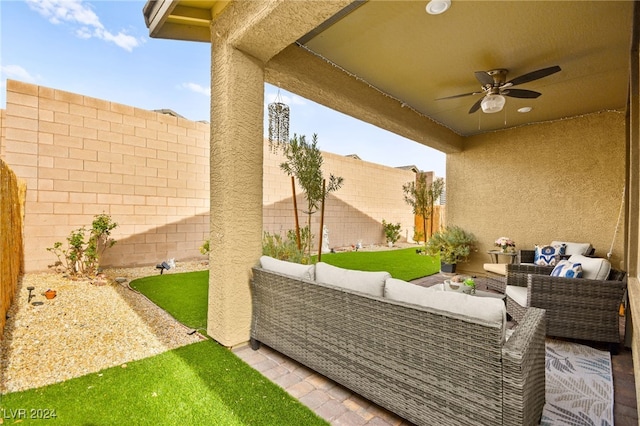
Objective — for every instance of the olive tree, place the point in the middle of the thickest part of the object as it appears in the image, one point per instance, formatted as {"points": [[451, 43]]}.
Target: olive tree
{"points": [[304, 162]]}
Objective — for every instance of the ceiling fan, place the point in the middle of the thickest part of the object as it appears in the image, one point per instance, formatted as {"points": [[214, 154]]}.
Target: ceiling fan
{"points": [[495, 88]]}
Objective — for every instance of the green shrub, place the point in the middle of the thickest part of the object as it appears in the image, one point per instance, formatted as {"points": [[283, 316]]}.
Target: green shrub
{"points": [[391, 231], [83, 252], [453, 243], [287, 249], [205, 247]]}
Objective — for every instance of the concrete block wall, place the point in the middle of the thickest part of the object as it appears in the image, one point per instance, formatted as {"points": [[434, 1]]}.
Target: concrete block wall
{"points": [[82, 156], [2, 115], [371, 192]]}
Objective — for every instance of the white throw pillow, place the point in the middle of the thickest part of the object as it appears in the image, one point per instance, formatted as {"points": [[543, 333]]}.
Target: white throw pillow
{"points": [[593, 268], [574, 248], [287, 268], [566, 269], [548, 255], [363, 281]]}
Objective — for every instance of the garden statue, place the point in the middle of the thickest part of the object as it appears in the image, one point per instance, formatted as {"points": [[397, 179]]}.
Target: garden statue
{"points": [[325, 240]]}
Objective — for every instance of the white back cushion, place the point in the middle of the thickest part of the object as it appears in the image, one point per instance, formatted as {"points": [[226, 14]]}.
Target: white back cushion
{"points": [[288, 268], [574, 248], [593, 268], [403, 291], [486, 309], [363, 281]]}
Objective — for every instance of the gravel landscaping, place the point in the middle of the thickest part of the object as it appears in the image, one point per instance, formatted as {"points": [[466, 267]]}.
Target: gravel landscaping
{"points": [[87, 327]]}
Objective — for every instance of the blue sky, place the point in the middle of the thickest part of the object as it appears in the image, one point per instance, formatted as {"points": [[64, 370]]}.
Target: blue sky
{"points": [[102, 49]]}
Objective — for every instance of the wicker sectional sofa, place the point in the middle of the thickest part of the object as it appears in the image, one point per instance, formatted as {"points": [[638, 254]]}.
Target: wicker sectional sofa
{"points": [[432, 357]]}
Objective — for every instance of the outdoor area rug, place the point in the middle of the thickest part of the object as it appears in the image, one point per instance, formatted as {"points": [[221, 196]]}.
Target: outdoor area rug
{"points": [[579, 385]]}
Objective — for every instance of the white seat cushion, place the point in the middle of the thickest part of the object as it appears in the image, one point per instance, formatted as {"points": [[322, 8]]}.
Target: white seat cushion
{"points": [[574, 248], [496, 268], [363, 281], [518, 294], [288, 268], [593, 268]]}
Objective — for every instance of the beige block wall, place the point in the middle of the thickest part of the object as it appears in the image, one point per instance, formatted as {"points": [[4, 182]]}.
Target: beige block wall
{"points": [[370, 193], [551, 181], [82, 156], [2, 115]]}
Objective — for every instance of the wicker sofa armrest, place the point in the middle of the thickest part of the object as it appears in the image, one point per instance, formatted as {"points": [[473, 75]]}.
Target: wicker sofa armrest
{"points": [[524, 370], [579, 308], [517, 274]]}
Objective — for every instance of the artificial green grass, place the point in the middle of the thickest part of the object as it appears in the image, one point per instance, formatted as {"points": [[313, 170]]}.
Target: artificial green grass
{"points": [[404, 264], [184, 296], [202, 383]]}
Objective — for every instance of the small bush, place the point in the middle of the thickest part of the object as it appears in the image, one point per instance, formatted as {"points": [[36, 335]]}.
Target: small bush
{"points": [[391, 231], [205, 247], [287, 249], [84, 247]]}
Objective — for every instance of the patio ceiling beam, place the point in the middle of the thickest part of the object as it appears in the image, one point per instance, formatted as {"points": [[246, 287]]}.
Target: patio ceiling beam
{"points": [[263, 29], [299, 71]]}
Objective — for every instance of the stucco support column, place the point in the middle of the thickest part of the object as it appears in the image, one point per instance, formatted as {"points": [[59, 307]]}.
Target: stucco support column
{"points": [[237, 96]]}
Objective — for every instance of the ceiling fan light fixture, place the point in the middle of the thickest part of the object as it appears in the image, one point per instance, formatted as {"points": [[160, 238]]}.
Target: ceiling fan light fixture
{"points": [[492, 103], [436, 7]]}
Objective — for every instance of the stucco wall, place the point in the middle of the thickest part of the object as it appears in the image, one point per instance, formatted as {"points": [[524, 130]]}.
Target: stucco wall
{"points": [[82, 156], [552, 181], [371, 192]]}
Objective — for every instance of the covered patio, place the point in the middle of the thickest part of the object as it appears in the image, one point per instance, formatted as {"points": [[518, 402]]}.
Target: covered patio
{"points": [[562, 171]]}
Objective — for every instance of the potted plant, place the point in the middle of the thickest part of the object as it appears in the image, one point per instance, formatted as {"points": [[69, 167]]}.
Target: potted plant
{"points": [[391, 232], [453, 244]]}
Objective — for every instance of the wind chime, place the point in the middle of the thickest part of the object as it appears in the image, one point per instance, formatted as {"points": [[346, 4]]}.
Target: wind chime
{"points": [[278, 138], [278, 124]]}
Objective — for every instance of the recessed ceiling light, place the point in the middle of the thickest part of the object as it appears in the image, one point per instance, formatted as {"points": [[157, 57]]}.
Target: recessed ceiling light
{"points": [[436, 7], [524, 109]]}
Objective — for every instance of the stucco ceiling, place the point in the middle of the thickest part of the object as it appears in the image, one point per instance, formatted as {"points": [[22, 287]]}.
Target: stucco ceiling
{"points": [[414, 57]]}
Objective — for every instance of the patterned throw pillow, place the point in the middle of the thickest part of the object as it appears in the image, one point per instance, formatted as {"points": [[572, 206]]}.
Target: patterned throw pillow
{"points": [[548, 255], [566, 269]]}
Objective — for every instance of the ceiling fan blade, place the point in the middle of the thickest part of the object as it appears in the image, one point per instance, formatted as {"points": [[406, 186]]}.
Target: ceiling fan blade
{"points": [[534, 75], [476, 106], [522, 93], [459, 96], [484, 78]]}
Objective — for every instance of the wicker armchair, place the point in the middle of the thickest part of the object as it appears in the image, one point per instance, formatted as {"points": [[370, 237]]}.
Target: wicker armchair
{"points": [[576, 308]]}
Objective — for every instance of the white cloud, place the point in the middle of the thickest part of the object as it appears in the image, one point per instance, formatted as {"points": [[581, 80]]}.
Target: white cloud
{"points": [[18, 73], [288, 99], [79, 13], [194, 87], [121, 39]]}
